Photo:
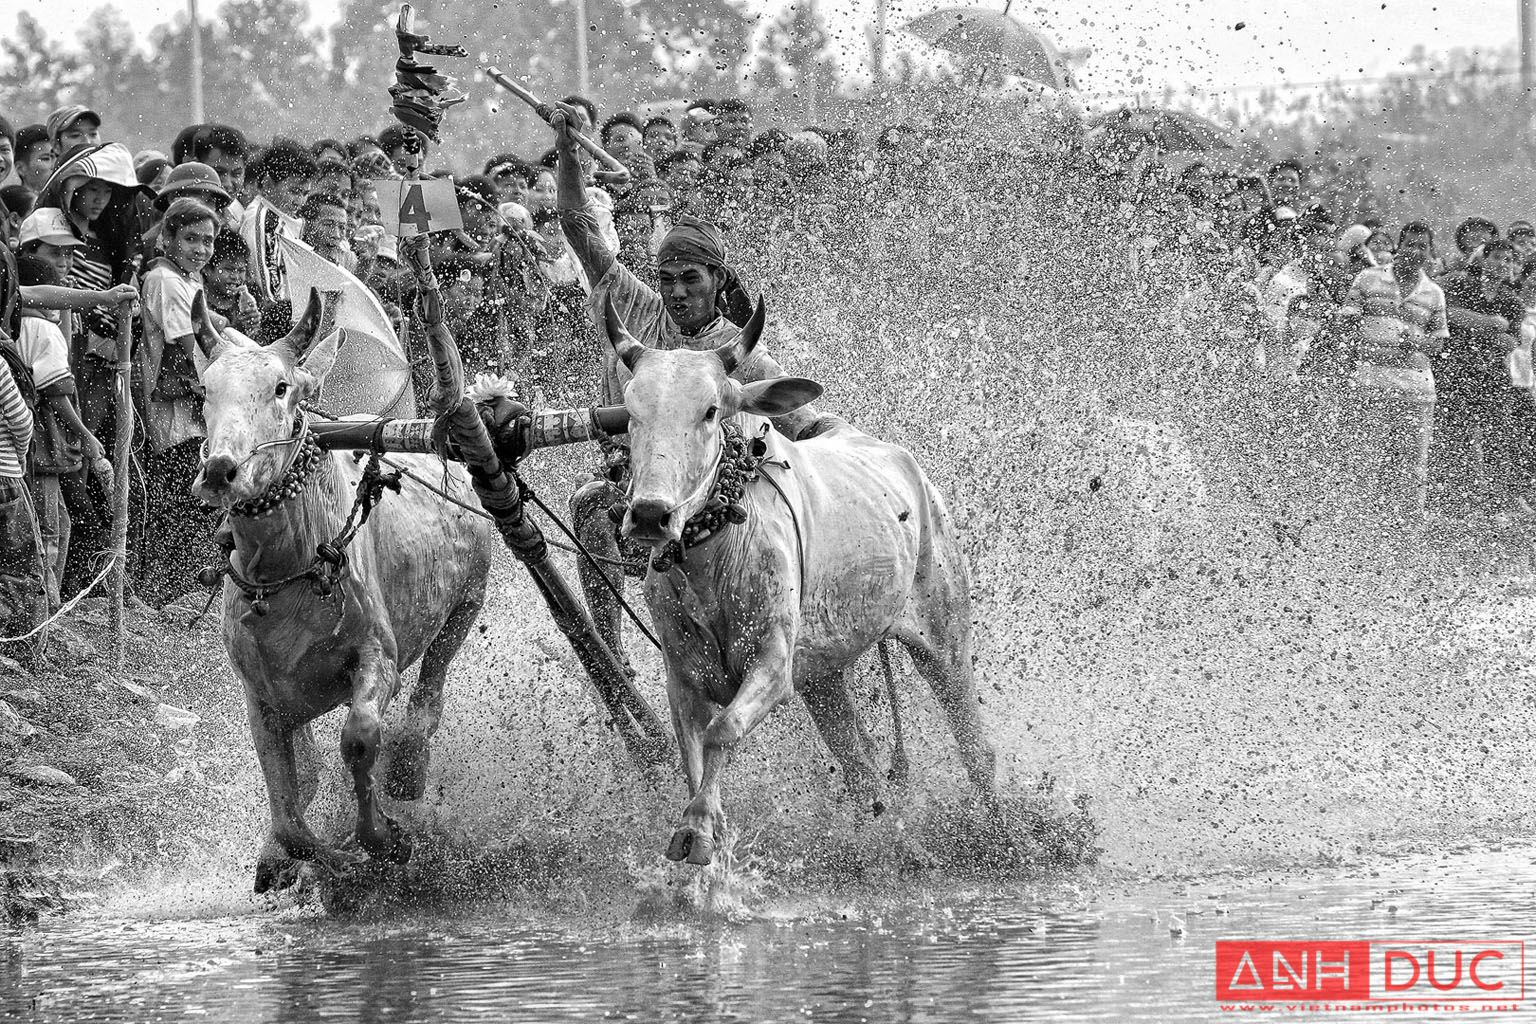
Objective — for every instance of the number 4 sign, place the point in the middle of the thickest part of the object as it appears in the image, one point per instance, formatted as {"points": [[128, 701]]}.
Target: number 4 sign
{"points": [[418, 207]]}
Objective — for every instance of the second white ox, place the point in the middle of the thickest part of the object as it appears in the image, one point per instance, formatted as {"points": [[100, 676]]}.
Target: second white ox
{"points": [[856, 518]]}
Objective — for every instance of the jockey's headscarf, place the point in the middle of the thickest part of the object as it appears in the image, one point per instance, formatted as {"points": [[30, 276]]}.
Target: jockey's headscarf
{"points": [[693, 240]]}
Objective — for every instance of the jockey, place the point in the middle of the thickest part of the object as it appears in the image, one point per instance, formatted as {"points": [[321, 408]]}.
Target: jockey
{"points": [[702, 305]]}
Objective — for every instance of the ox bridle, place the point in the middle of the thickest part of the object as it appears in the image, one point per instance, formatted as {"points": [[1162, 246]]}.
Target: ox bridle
{"points": [[739, 463], [329, 564]]}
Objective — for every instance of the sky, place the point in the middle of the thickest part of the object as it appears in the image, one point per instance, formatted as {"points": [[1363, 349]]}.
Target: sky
{"points": [[1140, 46]]}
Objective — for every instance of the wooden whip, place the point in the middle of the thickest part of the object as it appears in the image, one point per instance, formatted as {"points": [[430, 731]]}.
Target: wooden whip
{"points": [[546, 111]]}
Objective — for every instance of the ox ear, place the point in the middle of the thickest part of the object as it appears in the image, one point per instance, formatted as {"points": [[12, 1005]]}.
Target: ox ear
{"points": [[321, 358], [624, 344], [778, 395], [733, 353], [299, 340]]}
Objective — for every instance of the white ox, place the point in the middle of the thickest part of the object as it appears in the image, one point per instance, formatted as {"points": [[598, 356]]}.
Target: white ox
{"points": [[739, 636], [414, 584]]}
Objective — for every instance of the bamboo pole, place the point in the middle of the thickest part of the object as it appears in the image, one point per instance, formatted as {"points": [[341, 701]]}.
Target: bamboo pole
{"points": [[121, 447], [500, 494]]}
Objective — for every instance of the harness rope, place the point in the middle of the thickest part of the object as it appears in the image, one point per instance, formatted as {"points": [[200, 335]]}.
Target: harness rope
{"points": [[328, 567], [528, 495], [741, 463]]}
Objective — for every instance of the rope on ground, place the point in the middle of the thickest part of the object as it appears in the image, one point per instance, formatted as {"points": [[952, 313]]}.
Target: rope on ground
{"points": [[64, 609]]}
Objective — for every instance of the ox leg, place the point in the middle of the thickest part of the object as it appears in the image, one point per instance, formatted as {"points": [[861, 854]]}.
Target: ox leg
{"points": [[944, 660], [691, 715], [837, 719], [765, 685], [836, 715], [291, 779], [373, 685], [410, 750]]}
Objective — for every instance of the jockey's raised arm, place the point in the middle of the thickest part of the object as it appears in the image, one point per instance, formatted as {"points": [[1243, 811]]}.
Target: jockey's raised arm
{"points": [[577, 214]]}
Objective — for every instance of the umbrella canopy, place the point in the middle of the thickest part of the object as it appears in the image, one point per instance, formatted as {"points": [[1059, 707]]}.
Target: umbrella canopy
{"points": [[992, 35], [1172, 131]]}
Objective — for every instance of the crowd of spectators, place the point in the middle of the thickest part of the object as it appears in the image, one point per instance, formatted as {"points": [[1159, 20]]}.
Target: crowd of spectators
{"points": [[1430, 340], [1423, 334]]}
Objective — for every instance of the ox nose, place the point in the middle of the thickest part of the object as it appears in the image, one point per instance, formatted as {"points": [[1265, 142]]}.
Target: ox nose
{"points": [[649, 518], [220, 471]]}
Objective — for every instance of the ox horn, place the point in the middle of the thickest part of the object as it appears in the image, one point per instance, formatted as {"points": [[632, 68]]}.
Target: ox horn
{"points": [[733, 353], [624, 344], [298, 341]]}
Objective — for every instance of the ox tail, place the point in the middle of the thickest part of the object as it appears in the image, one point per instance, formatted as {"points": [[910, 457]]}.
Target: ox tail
{"points": [[901, 769]]}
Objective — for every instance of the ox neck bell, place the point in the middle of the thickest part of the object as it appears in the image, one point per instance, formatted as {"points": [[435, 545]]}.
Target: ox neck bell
{"points": [[740, 464], [306, 457]]}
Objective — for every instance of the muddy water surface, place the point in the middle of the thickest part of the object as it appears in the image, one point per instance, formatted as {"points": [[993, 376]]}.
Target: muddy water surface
{"points": [[1078, 948]]}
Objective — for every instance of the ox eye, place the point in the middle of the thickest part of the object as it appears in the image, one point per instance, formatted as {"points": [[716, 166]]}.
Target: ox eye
{"points": [[709, 414], [282, 388]]}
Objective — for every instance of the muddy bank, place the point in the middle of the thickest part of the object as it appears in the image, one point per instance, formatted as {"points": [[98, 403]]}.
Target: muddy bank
{"points": [[104, 772]]}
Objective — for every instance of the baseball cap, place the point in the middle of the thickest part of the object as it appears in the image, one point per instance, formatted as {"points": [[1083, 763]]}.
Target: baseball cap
{"points": [[47, 224], [61, 120], [700, 114]]}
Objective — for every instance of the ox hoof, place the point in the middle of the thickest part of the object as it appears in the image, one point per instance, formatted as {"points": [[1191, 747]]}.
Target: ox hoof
{"points": [[395, 846], [691, 844], [275, 870]]}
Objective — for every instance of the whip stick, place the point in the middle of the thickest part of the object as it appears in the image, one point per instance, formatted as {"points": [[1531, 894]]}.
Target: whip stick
{"points": [[544, 110], [501, 495]]}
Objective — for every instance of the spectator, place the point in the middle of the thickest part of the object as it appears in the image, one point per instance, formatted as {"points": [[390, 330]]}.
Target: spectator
{"points": [[698, 129], [23, 583], [167, 379], [152, 169], [95, 189], [7, 148], [682, 173], [1402, 323], [327, 228], [225, 150], [733, 122], [624, 138], [1522, 235], [64, 452], [1471, 235], [1263, 229], [224, 284], [284, 174], [660, 138], [332, 177], [330, 149], [71, 127], [1484, 313], [34, 156], [17, 202]]}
